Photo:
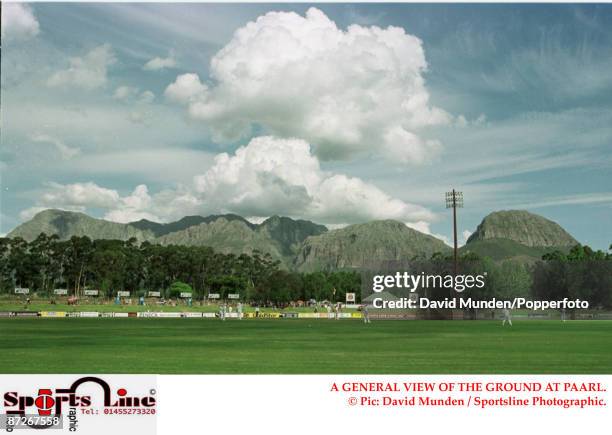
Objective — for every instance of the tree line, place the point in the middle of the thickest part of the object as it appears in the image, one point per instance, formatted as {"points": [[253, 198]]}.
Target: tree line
{"points": [[47, 263], [582, 273]]}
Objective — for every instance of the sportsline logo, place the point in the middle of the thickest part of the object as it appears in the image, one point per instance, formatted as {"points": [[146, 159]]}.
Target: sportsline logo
{"points": [[48, 403]]}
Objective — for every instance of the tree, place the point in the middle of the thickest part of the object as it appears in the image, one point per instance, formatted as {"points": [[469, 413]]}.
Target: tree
{"points": [[6, 272], [178, 287], [583, 273], [78, 256]]}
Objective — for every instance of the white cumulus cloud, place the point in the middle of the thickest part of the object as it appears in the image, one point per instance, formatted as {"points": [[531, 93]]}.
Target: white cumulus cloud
{"points": [[344, 91], [79, 194], [133, 207], [268, 176], [83, 197], [186, 88], [87, 72], [159, 63], [282, 176], [18, 22]]}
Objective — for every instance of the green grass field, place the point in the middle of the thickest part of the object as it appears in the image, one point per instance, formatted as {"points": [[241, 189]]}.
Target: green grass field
{"points": [[193, 346]]}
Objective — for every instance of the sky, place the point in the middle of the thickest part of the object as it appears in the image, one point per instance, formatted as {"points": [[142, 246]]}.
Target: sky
{"points": [[336, 113]]}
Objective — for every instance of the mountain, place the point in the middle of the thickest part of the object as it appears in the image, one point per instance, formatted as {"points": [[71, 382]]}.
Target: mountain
{"points": [[518, 235], [225, 236], [523, 227], [281, 237], [68, 223], [365, 245], [184, 223], [505, 249], [288, 234], [278, 236], [306, 246]]}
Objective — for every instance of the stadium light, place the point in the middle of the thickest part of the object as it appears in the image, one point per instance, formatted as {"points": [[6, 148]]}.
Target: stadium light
{"points": [[454, 200]]}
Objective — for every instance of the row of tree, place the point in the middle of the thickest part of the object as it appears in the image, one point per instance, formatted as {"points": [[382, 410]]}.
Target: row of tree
{"points": [[580, 274], [48, 263]]}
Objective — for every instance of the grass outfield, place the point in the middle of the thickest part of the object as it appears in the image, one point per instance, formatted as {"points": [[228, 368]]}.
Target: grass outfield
{"points": [[182, 346]]}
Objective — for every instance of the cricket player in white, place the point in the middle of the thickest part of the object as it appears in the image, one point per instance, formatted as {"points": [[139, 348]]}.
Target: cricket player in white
{"points": [[239, 310], [366, 314], [507, 317], [222, 312]]}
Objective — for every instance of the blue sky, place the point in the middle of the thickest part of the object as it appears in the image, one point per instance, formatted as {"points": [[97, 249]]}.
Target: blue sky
{"points": [[129, 111]]}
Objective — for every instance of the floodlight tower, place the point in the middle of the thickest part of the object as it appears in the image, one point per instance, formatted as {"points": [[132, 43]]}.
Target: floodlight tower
{"points": [[454, 199]]}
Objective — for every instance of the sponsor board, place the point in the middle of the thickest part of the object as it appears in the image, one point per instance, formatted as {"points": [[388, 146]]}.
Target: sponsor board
{"points": [[214, 296], [393, 316], [262, 315], [233, 296], [227, 315], [91, 292], [52, 314], [269, 315], [154, 294], [350, 297], [22, 291], [60, 291], [168, 315], [233, 315], [123, 294], [186, 295], [163, 314], [25, 313]]}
